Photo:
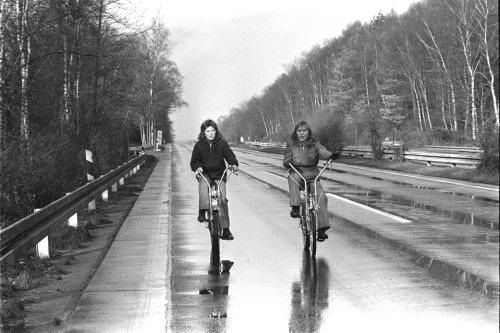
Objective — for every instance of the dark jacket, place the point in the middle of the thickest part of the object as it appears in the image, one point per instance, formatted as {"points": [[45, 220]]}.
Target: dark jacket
{"points": [[211, 155], [305, 155]]}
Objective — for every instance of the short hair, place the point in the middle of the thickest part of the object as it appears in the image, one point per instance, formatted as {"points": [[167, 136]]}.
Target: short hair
{"points": [[301, 123], [204, 125]]}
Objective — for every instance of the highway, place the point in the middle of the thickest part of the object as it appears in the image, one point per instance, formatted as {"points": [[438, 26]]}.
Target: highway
{"points": [[272, 281], [356, 283]]}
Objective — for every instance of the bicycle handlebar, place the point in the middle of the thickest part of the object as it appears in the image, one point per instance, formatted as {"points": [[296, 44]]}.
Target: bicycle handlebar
{"points": [[220, 181], [315, 179]]}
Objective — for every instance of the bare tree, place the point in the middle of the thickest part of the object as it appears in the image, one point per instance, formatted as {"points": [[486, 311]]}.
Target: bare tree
{"points": [[434, 49], [486, 9], [2, 133], [97, 61], [24, 48], [465, 32]]}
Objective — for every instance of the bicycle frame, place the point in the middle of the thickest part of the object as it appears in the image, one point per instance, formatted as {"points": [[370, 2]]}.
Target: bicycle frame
{"points": [[315, 183], [214, 203], [214, 193], [308, 220]]}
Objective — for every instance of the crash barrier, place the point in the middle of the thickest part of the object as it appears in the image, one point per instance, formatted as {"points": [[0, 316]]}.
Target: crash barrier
{"points": [[266, 145], [138, 150], [450, 156], [33, 230]]}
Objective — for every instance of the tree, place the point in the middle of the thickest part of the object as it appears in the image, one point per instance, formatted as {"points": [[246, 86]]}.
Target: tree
{"points": [[487, 12]]}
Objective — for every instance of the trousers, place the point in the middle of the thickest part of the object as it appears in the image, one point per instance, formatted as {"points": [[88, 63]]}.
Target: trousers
{"points": [[204, 197], [294, 181]]}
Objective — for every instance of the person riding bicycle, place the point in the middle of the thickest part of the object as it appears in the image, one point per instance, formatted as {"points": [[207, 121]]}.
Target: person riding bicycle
{"points": [[303, 151], [210, 154]]}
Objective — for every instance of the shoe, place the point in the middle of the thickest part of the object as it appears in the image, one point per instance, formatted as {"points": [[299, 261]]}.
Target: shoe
{"points": [[322, 234], [295, 212], [226, 234], [201, 216]]}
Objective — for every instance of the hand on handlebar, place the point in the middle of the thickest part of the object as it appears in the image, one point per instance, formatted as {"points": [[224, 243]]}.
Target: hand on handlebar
{"points": [[199, 170], [334, 155], [233, 168]]}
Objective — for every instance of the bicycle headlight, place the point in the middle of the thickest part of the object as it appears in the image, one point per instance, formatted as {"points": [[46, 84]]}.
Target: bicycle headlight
{"points": [[215, 204], [302, 196]]}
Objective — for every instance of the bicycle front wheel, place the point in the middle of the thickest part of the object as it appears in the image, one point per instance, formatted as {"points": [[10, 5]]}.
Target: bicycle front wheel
{"points": [[214, 235], [304, 227], [313, 231]]}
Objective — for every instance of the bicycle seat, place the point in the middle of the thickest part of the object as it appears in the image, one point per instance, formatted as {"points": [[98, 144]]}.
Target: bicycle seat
{"points": [[214, 182]]}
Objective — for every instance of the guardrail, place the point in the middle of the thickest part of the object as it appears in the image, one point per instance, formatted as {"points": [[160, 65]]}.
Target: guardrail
{"points": [[451, 156], [466, 157], [25, 234], [138, 150], [266, 145]]}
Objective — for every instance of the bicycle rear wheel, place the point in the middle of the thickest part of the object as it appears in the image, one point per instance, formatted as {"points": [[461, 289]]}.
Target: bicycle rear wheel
{"points": [[214, 236], [313, 231], [304, 227]]}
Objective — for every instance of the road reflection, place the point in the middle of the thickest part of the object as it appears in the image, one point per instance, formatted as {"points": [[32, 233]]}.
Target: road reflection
{"points": [[216, 289], [309, 295]]}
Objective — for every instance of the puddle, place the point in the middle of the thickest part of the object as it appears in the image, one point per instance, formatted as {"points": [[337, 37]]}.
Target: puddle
{"points": [[417, 211], [421, 187]]}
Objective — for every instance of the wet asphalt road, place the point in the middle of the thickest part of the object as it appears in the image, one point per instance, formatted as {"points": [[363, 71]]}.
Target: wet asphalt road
{"points": [[355, 284]]}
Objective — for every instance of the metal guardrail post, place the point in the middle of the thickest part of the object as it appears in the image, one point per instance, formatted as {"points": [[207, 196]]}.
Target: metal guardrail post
{"points": [[105, 195], [73, 220], [89, 157], [42, 247]]}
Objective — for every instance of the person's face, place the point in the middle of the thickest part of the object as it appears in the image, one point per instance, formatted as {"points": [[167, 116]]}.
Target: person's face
{"points": [[302, 133], [210, 133]]}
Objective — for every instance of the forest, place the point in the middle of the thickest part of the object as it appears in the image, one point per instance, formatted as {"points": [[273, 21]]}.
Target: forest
{"points": [[428, 76], [76, 75], [80, 75]]}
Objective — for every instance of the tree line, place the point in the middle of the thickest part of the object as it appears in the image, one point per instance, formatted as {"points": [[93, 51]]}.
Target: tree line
{"points": [[429, 75], [76, 75]]}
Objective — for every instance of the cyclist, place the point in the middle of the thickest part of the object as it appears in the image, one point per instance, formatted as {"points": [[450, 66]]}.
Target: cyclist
{"points": [[303, 151], [210, 154]]}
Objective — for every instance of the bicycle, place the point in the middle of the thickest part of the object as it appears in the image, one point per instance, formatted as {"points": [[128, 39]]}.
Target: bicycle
{"points": [[309, 207], [215, 204]]}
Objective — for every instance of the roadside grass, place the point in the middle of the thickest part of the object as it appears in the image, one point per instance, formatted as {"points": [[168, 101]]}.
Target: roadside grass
{"points": [[25, 273]]}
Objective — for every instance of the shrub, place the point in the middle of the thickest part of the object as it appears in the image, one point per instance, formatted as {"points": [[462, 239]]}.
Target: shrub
{"points": [[331, 133], [489, 143], [37, 172]]}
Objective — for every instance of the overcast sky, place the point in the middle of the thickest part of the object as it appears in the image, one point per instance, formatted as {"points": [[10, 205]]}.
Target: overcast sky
{"points": [[228, 51]]}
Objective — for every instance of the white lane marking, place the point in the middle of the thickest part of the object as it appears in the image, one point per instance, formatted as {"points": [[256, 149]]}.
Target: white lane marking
{"points": [[420, 177], [280, 176], [354, 203]]}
